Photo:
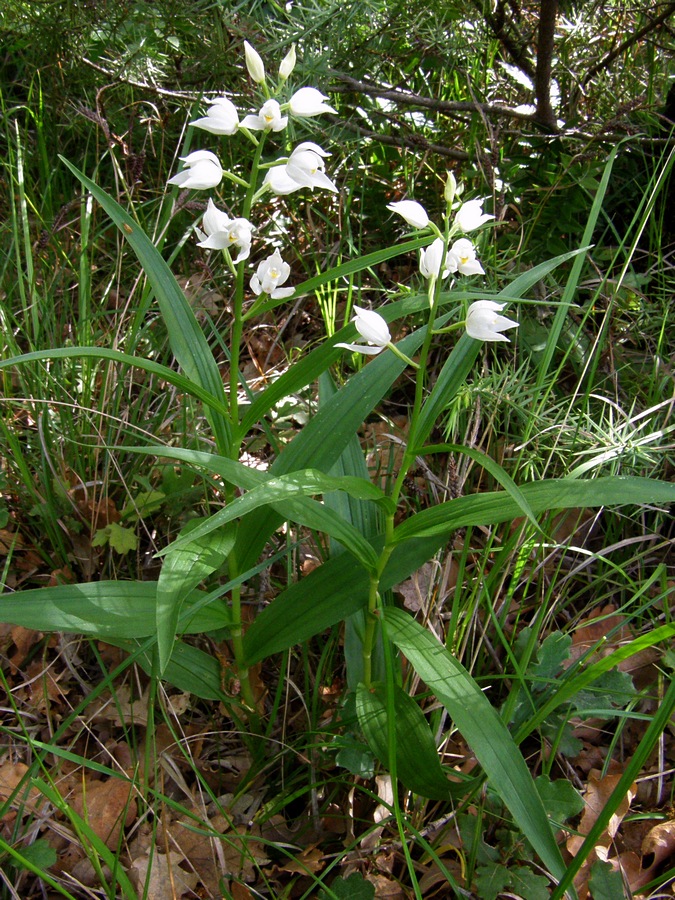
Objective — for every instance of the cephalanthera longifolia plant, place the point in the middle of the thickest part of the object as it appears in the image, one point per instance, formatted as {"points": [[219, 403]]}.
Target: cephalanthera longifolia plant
{"points": [[319, 480]]}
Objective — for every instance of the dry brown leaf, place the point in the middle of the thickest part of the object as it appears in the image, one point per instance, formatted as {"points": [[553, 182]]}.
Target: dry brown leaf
{"points": [[310, 860], [628, 863], [107, 806], [417, 588], [10, 541], [596, 627], [200, 851], [598, 792], [160, 877], [244, 851], [659, 844], [121, 710], [99, 512], [386, 888], [11, 776], [24, 639], [42, 690], [239, 891]]}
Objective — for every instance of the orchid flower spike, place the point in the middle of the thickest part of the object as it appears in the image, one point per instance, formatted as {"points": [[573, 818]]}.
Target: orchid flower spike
{"points": [[484, 323]]}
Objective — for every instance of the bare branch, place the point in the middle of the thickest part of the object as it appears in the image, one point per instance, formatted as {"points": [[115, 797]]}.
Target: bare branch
{"points": [[630, 40], [346, 83], [415, 142]]}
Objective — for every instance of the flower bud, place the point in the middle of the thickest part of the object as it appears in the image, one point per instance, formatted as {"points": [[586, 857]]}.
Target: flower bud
{"points": [[287, 64], [254, 64], [450, 189]]}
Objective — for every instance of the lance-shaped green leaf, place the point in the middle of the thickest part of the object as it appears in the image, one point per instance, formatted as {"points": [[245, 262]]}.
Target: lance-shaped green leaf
{"points": [[417, 764], [184, 568], [491, 465], [105, 609], [364, 517], [561, 493], [328, 595], [288, 495], [481, 727], [186, 337], [189, 668], [322, 440]]}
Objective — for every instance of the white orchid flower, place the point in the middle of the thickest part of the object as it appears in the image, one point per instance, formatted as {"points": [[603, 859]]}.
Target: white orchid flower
{"points": [[484, 323], [462, 258], [271, 273], [308, 101], [414, 213], [470, 216], [223, 233], [202, 170], [268, 119], [254, 64], [222, 117], [287, 64], [431, 258], [304, 168], [373, 329]]}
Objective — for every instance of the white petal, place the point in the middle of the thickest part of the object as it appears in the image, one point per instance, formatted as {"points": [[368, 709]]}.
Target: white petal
{"points": [[371, 326], [310, 145], [202, 171], [308, 101], [430, 260], [222, 117], [414, 213], [471, 267], [361, 348], [280, 181], [484, 323], [253, 123], [218, 241]]}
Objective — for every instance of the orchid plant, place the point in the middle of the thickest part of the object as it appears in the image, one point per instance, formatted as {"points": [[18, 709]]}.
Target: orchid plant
{"points": [[319, 480]]}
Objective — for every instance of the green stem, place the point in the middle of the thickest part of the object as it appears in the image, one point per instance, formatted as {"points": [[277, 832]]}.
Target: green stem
{"points": [[237, 309], [408, 460], [236, 333], [245, 687]]}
